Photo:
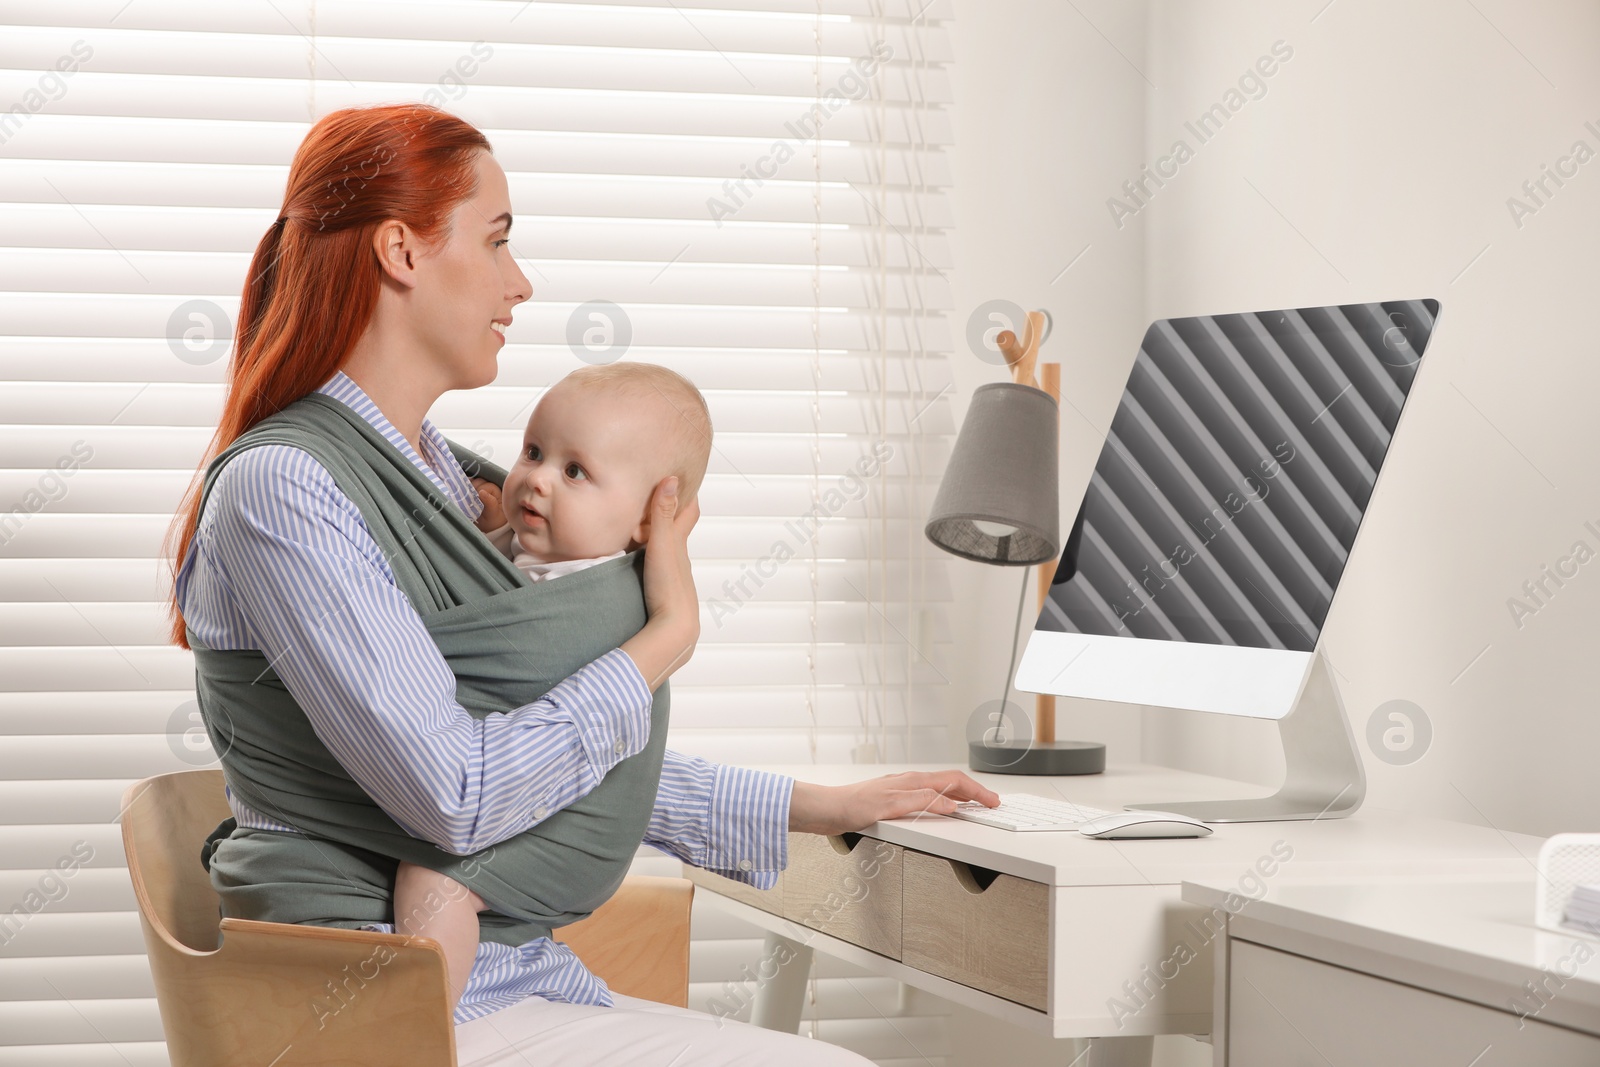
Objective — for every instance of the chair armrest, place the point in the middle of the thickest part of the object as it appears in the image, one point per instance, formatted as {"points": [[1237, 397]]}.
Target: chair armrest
{"points": [[638, 941]]}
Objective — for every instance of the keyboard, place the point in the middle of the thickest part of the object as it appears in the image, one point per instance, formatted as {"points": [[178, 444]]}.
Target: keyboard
{"points": [[1024, 811]]}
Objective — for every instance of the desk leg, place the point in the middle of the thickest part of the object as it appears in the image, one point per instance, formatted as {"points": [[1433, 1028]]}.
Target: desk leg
{"points": [[779, 1003], [1118, 1052], [975, 1035]]}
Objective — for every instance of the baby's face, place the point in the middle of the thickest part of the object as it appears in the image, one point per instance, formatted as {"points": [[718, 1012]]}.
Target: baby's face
{"points": [[581, 486]]}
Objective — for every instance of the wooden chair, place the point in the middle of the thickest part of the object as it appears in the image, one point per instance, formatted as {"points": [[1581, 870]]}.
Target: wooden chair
{"points": [[234, 991]]}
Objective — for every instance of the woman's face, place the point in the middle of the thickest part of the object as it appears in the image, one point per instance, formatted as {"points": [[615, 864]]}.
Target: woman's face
{"points": [[468, 284]]}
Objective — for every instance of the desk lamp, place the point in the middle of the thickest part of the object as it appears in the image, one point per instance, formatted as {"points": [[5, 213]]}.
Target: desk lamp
{"points": [[998, 503]]}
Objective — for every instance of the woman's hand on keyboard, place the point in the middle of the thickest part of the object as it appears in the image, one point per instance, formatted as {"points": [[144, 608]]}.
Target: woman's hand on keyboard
{"points": [[823, 809]]}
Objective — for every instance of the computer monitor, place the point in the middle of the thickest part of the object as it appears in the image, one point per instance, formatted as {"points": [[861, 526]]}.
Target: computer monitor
{"points": [[1218, 522]]}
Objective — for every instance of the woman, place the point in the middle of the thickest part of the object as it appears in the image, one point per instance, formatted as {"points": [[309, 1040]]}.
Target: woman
{"points": [[314, 578]]}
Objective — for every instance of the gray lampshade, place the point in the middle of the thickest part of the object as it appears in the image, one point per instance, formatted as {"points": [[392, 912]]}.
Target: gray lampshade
{"points": [[1002, 475]]}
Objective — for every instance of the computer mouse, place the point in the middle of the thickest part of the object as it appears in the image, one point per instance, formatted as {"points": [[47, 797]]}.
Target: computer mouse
{"points": [[1123, 825]]}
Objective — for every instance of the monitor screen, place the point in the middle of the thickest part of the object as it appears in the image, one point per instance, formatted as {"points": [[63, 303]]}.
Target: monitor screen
{"points": [[1235, 475]]}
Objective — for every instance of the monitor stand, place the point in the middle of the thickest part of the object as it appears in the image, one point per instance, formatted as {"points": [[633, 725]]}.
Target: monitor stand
{"points": [[1323, 777]]}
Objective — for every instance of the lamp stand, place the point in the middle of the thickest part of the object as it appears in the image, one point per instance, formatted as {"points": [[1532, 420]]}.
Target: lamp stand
{"points": [[1024, 757], [1039, 754], [1042, 754]]}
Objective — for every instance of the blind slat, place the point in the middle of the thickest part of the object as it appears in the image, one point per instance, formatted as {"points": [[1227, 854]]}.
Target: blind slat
{"points": [[99, 889], [109, 581], [47, 135], [122, 315], [739, 495], [490, 107], [36, 978], [88, 845], [189, 273], [46, 534], [577, 25], [551, 195], [633, 240], [65, 717], [741, 617], [34, 669], [98, 933], [31, 800], [165, 404], [39, 447], [69, 1054], [463, 64]]}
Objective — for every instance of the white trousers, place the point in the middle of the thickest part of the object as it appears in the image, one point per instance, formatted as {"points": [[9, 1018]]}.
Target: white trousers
{"points": [[633, 1033]]}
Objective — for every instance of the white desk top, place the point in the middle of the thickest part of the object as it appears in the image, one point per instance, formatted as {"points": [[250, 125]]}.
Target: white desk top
{"points": [[1472, 940], [1372, 845]]}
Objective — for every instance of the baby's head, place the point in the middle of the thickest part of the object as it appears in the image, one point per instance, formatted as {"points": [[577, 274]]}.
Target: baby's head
{"points": [[596, 446]]}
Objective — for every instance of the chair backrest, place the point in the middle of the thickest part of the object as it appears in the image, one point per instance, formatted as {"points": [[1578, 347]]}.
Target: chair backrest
{"points": [[236, 991], [165, 820]]}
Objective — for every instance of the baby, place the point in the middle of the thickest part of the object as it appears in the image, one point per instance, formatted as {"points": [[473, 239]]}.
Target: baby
{"points": [[595, 448]]}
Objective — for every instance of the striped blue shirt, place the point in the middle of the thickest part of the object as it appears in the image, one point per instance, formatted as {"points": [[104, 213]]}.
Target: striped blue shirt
{"points": [[282, 561]]}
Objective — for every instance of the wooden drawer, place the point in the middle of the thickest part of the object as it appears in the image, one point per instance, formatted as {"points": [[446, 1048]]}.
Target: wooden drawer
{"points": [[1286, 1010], [765, 899], [846, 886], [984, 929]]}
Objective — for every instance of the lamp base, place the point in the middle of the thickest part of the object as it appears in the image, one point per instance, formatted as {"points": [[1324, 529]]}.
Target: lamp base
{"points": [[1037, 757]]}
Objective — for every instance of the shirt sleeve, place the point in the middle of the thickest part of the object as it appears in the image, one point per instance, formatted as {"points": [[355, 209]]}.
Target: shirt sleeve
{"points": [[322, 602], [732, 820]]}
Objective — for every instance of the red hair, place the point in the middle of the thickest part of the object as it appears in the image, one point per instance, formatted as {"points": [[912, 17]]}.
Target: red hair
{"points": [[314, 280]]}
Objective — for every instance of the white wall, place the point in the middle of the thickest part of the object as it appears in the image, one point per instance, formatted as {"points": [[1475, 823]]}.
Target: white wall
{"points": [[1376, 165], [1048, 119], [1391, 141]]}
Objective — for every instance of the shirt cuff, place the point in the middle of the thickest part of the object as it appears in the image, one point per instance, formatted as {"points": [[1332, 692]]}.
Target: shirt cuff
{"points": [[609, 702], [749, 818]]}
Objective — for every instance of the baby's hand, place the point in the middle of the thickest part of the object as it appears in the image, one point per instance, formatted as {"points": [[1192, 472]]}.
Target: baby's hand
{"points": [[494, 514]]}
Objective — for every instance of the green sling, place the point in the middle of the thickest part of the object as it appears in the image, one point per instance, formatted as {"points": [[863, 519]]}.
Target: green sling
{"points": [[507, 641]]}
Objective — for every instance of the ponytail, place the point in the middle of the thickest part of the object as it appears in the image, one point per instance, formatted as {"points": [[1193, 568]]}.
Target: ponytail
{"points": [[258, 285]]}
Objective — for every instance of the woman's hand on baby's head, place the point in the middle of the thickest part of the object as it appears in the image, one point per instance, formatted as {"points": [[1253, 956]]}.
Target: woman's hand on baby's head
{"points": [[684, 516], [668, 639], [493, 515]]}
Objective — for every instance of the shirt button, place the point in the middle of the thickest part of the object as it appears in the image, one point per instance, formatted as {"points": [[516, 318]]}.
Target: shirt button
{"points": [[540, 812], [745, 865], [620, 747]]}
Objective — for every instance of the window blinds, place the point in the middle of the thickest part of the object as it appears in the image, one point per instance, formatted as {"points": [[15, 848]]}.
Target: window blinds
{"points": [[748, 192]]}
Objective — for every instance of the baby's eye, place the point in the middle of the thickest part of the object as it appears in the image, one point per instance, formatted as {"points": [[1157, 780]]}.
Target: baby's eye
{"points": [[502, 242], [575, 472], [533, 453]]}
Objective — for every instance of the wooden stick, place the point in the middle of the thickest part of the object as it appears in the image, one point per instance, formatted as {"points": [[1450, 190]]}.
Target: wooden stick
{"points": [[1044, 730], [1022, 356]]}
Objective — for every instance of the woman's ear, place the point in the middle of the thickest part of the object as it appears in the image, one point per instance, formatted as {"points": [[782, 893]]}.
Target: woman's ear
{"points": [[396, 246]]}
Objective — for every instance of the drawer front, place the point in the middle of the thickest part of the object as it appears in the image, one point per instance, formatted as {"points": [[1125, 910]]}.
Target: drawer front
{"points": [[985, 930], [847, 887], [1286, 1010], [765, 899]]}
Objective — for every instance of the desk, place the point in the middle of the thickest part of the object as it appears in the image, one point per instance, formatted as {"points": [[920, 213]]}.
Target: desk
{"points": [[1415, 973], [1085, 938]]}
